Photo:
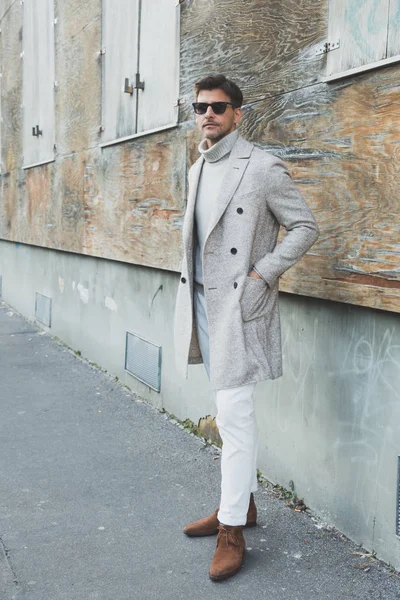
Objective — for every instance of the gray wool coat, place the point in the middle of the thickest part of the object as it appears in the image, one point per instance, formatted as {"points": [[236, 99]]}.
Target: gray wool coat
{"points": [[257, 195]]}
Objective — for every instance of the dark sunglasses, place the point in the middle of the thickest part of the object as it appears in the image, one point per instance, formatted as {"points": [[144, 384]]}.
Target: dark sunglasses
{"points": [[218, 108]]}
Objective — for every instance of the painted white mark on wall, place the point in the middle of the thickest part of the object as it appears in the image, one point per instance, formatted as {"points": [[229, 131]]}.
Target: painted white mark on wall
{"points": [[364, 407], [156, 165], [110, 303], [83, 293], [73, 285], [61, 284]]}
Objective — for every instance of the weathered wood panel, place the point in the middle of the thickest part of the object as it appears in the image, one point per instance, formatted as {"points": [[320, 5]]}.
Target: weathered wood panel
{"points": [[362, 27], [11, 98], [126, 202], [5, 5], [342, 144], [394, 28], [78, 98], [73, 17], [268, 48], [134, 204]]}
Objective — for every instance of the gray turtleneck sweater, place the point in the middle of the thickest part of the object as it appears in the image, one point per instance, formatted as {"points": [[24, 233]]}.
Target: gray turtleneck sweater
{"points": [[214, 166]]}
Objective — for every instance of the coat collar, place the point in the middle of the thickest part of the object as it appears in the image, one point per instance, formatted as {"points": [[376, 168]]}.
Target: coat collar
{"points": [[237, 163]]}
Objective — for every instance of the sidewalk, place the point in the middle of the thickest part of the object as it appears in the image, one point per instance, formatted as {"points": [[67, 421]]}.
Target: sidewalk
{"points": [[95, 487]]}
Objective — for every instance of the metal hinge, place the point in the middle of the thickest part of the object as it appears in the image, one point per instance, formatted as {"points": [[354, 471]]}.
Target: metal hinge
{"points": [[180, 101], [328, 47], [102, 51]]}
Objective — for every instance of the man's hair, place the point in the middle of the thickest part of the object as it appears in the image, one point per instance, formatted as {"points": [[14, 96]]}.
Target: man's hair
{"points": [[220, 82]]}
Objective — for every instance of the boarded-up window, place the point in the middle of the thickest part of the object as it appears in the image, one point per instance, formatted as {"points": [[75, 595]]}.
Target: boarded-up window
{"points": [[38, 81], [368, 31], [1, 120], [141, 45]]}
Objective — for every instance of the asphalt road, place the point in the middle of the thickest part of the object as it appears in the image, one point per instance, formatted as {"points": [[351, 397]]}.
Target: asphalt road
{"points": [[96, 486]]}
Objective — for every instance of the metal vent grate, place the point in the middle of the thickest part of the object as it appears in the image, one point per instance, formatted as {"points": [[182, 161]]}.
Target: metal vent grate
{"points": [[43, 309], [398, 498], [143, 360]]}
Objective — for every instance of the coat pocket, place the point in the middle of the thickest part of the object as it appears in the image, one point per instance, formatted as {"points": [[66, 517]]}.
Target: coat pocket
{"points": [[254, 298]]}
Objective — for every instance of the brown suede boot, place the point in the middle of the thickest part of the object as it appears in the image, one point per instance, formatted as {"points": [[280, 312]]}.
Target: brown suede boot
{"points": [[228, 556], [209, 525]]}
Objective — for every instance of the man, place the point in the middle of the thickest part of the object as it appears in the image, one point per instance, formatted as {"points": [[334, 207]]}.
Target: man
{"points": [[227, 305]]}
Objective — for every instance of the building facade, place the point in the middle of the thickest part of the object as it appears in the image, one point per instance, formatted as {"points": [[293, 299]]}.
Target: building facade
{"points": [[96, 138]]}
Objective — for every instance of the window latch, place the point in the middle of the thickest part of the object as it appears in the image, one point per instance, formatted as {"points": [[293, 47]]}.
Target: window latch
{"points": [[139, 85], [128, 89], [36, 131]]}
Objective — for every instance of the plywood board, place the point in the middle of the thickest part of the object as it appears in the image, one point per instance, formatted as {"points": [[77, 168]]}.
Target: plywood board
{"points": [[341, 144], [78, 98], [126, 202], [268, 48], [5, 6], [11, 99]]}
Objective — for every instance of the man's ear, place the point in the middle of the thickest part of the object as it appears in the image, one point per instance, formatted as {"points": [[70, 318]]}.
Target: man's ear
{"points": [[238, 115]]}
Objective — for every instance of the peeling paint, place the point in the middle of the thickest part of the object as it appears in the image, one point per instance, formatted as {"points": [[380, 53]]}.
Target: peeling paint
{"points": [[83, 293], [61, 284], [110, 304]]}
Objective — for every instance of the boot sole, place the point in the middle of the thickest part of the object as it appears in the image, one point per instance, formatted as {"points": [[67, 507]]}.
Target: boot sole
{"points": [[214, 532], [203, 534]]}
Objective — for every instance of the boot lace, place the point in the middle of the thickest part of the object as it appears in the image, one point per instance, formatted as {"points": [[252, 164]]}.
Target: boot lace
{"points": [[228, 536]]}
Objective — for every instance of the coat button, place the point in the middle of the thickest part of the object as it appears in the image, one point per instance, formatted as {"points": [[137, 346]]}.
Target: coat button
{"points": [[183, 280], [233, 250], [240, 210], [235, 285]]}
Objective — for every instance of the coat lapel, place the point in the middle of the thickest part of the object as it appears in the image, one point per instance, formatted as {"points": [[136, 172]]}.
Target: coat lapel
{"points": [[237, 164], [188, 229]]}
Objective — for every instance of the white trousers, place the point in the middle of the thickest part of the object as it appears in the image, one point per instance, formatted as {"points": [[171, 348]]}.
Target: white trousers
{"points": [[238, 430]]}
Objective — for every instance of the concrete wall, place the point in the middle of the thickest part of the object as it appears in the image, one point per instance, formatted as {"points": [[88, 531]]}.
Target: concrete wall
{"points": [[331, 424]]}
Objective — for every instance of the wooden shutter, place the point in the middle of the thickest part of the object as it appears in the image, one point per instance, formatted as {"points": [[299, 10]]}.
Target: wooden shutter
{"points": [[394, 29], [361, 26], [120, 40], [38, 80], [158, 64]]}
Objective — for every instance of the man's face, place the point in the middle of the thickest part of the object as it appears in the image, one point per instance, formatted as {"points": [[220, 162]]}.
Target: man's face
{"points": [[214, 127]]}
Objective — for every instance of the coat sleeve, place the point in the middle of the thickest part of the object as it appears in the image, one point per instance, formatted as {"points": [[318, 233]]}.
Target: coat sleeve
{"points": [[289, 208]]}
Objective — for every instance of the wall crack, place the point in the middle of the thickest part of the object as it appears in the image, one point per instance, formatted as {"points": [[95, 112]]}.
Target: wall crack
{"points": [[7, 561]]}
